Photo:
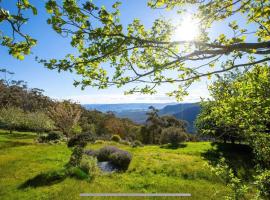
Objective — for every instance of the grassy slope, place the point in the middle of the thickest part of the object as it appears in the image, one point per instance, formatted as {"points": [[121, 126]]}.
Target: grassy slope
{"points": [[153, 169]]}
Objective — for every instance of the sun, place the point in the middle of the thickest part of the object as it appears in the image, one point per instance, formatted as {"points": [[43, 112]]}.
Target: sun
{"points": [[187, 30]]}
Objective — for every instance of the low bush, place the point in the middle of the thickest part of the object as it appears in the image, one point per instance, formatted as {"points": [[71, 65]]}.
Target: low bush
{"points": [[117, 157], [89, 165], [116, 138], [52, 137], [104, 153], [137, 143], [90, 152], [82, 166], [172, 135], [80, 140], [121, 159], [42, 139]]}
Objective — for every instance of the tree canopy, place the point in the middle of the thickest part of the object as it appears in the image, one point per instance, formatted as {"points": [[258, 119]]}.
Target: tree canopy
{"points": [[144, 55], [18, 42], [240, 111]]}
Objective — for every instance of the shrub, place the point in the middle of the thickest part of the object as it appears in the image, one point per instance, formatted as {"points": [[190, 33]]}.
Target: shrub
{"points": [[173, 136], [52, 137], [263, 184], [121, 159], [137, 143], [42, 139], [82, 166], [78, 173], [80, 140], [76, 156], [91, 152], [125, 142], [116, 138], [117, 157], [104, 153], [89, 165]]}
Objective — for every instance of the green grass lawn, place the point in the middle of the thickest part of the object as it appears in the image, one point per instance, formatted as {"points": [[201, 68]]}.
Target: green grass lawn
{"points": [[153, 170]]}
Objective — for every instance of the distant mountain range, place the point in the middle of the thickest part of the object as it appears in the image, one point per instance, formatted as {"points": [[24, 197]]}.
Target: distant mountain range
{"points": [[137, 111], [125, 106]]}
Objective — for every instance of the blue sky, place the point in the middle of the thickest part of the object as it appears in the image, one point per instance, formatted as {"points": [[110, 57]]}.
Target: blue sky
{"points": [[60, 85]]}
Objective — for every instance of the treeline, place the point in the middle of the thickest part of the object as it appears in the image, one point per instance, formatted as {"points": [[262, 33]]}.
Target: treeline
{"points": [[24, 108], [28, 109]]}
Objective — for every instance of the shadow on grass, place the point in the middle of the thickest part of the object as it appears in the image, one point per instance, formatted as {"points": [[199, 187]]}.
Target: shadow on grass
{"points": [[10, 144], [45, 179], [170, 146], [54, 177], [238, 156]]}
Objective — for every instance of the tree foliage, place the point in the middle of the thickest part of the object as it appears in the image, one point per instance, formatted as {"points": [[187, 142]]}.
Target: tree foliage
{"points": [[109, 125], [37, 121], [145, 54], [226, 174], [152, 129], [172, 135], [151, 132], [240, 110], [11, 118], [16, 93], [65, 115], [242, 104], [141, 54], [18, 43]]}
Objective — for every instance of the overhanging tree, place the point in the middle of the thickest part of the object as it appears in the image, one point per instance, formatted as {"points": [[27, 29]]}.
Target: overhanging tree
{"points": [[145, 55], [18, 42]]}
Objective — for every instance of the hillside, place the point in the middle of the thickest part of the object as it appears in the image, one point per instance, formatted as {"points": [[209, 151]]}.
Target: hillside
{"points": [[177, 108], [189, 115]]}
